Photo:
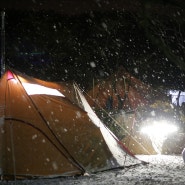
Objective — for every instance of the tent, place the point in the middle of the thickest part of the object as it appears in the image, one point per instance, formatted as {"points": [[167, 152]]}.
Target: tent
{"points": [[44, 134], [120, 96], [120, 91]]}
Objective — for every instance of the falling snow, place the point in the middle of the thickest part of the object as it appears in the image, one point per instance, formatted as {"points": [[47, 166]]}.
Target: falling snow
{"points": [[79, 48], [92, 64]]}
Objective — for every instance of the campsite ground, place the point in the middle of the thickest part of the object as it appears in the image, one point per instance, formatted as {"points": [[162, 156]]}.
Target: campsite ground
{"points": [[161, 169]]}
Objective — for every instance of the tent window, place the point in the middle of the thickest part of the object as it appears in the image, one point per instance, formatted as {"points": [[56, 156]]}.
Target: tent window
{"points": [[33, 89]]}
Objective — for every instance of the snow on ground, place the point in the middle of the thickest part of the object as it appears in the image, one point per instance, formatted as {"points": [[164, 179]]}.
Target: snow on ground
{"points": [[160, 169]]}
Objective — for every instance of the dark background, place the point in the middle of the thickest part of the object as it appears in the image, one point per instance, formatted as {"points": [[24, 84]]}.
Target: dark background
{"points": [[85, 40]]}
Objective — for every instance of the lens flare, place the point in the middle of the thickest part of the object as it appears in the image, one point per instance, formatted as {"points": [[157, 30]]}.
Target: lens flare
{"points": [[161, 128], [158, 132]]}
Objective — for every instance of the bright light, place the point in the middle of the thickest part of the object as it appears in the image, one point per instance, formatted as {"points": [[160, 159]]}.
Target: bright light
{"points": [[32, 89], [14, 80], [158, 132], [161, 128]]}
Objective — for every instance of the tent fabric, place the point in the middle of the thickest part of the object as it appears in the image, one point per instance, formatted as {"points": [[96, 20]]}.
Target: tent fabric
{"points": [[111, 141], [120, 91], [44, 134], [122, 95]]}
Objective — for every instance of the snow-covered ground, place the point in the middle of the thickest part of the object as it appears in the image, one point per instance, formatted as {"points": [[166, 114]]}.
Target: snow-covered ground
{"points": [[161, 169]]}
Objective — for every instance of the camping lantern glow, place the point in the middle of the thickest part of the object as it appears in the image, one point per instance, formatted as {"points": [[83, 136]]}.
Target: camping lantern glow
{"points": [[158, 129], [158, 132]]}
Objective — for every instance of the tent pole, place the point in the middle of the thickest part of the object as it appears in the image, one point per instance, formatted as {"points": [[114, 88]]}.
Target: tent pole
{"points": [[93, 88], [2, 43]]}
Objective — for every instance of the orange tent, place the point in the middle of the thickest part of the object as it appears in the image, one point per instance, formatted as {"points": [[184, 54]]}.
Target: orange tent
{"points": [[43, 134], [120, 91]]}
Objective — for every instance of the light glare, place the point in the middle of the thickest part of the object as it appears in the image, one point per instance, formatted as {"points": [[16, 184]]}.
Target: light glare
{"points": [[158, 132], [159, 129], [32, 89]]}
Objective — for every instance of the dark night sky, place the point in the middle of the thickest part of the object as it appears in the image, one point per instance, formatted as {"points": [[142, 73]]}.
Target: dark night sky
{"points": [[70, 39], [72, 7]]}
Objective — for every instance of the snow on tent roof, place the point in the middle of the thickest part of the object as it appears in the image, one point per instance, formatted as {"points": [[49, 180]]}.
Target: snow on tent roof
{"points": [[47, 135]]}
